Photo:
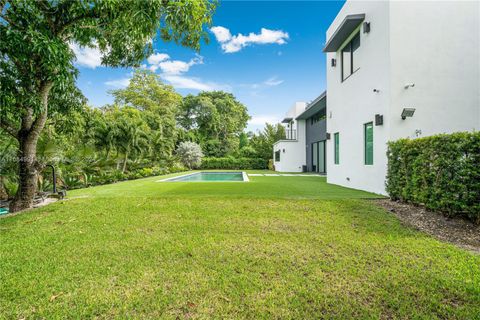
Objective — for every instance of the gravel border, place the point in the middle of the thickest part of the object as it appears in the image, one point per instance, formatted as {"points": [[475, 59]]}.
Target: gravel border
{"points": [[457, 231]]}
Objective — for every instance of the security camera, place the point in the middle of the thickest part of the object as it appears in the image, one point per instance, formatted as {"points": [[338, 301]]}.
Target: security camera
{"points": [[409, 85]]}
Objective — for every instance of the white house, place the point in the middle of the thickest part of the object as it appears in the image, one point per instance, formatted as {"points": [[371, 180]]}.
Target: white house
{"points": [[304, 146], [419, 59], [289, 153]]}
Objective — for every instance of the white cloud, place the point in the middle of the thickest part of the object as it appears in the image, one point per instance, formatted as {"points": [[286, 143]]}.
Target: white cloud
{"points": [[153, 68], [87, 57], [270, 82], [261, 119], [221, 33], [235, 43], [172, 71], [182, 82], [156, 58], [119, 83], [273, 81], [178, 67]]}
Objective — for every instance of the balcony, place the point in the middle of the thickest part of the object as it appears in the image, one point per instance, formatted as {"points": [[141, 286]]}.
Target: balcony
{"points": [[290, 134]]}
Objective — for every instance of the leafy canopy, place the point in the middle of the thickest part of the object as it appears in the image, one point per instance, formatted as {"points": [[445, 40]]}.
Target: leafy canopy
{"points": [[35, 36]]}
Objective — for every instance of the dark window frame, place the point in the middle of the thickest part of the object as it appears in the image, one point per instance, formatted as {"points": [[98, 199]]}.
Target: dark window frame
{"points": [[365, 145], [349, 46], [336, 148], [277, 155]]}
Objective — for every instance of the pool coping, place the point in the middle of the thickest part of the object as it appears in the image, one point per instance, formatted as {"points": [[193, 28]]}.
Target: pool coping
{"points": [[172, 179]]}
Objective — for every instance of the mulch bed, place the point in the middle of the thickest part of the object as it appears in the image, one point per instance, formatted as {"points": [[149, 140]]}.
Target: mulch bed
{"points": [[456, 230]]}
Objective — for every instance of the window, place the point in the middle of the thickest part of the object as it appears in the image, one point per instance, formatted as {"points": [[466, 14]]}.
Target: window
{"points": [[277, 155], [317, 117], [368, 142], [349, 57], [336, 141]]}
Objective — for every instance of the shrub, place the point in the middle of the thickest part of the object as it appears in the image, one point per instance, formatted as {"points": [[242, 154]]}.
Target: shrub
{"points": [[271, 165], [234, 163], [441, 172], [11, 187], [190, 154]]}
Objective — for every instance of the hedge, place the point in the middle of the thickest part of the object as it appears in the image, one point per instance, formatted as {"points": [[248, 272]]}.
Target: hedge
{"points": [[441, 172], [234, 163]]}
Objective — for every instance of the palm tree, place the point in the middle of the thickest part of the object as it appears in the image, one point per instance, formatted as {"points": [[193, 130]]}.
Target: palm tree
{"points": [[131, 138]]}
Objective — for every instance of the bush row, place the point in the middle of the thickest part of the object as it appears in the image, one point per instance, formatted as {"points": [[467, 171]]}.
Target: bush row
{"points": [[77, 180], [81, 180], [441, 172], [234, 163]]}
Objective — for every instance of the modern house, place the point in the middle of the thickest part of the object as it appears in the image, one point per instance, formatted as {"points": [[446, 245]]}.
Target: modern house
{"points": [[399, 69], [304, 146]]}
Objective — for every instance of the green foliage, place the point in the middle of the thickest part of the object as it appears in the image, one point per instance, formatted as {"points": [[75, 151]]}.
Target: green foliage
{"points": [[262, 142], [232, 163], [158, 104], [441, 172], [37, 71], [10, 186], [190, 154], [216, 120], [271, 165]]}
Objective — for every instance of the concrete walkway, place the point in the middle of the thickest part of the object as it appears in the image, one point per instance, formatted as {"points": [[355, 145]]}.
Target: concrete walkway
{"points": [[284, 175]]}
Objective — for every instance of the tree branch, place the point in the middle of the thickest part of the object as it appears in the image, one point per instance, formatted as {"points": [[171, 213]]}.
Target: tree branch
{"points": [[8, 127], [2, 5], [39, 122]]}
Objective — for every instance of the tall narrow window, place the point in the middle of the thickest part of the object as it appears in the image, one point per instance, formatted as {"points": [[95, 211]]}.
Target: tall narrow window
{"points": [[336, 140], [349, 57], [277, 155], [368, 142]]}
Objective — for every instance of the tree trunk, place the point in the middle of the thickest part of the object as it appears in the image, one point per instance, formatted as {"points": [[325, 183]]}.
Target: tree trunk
{"points": [[125, 162], [27, 152], [27, 174]]}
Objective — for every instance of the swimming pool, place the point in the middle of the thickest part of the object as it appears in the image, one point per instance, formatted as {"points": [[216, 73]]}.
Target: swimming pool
{"points": [[210, 177]]}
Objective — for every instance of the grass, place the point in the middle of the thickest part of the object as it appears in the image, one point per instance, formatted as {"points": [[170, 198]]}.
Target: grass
{"points": [[276, 247]]}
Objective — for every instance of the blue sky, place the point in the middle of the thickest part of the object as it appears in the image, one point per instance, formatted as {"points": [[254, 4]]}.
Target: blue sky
{"points": [[268, 54]]}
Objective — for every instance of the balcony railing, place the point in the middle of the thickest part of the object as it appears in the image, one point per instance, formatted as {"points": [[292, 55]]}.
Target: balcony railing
{"points": [[290, 134]]}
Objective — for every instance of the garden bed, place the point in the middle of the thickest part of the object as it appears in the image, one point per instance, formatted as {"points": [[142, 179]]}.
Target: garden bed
{"points": [[456, 230]]}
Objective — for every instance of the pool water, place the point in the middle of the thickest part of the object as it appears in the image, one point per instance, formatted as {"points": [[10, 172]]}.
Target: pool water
{"points": [[210, 176]]}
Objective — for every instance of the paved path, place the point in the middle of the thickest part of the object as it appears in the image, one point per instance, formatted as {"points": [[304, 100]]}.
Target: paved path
{"points": [[284, 175]]}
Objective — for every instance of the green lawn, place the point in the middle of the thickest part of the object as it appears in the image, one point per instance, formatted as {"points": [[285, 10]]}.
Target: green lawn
{"points": [[275, 247]]}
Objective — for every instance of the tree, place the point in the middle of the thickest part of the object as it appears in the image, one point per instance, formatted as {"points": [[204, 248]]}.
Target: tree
{"points": [[159, 105], [216, 118], [262, 142], [37, 75], [190, 154], [131, 132]]}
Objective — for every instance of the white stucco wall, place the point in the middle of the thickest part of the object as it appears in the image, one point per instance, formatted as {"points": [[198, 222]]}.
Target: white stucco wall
{"points": [[292, 152], [432, 44], [435, 45], [353, 103]]}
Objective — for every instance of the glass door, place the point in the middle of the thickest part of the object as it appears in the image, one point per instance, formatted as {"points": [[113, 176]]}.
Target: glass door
{"points": [[318, 157], [321, 157]]}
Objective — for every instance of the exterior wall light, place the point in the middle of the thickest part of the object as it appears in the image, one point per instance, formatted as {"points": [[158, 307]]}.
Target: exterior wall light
{"points": [[409, 85], [366, 27], [334, 62], [378, 119], [407, 112], [328, 136]]}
